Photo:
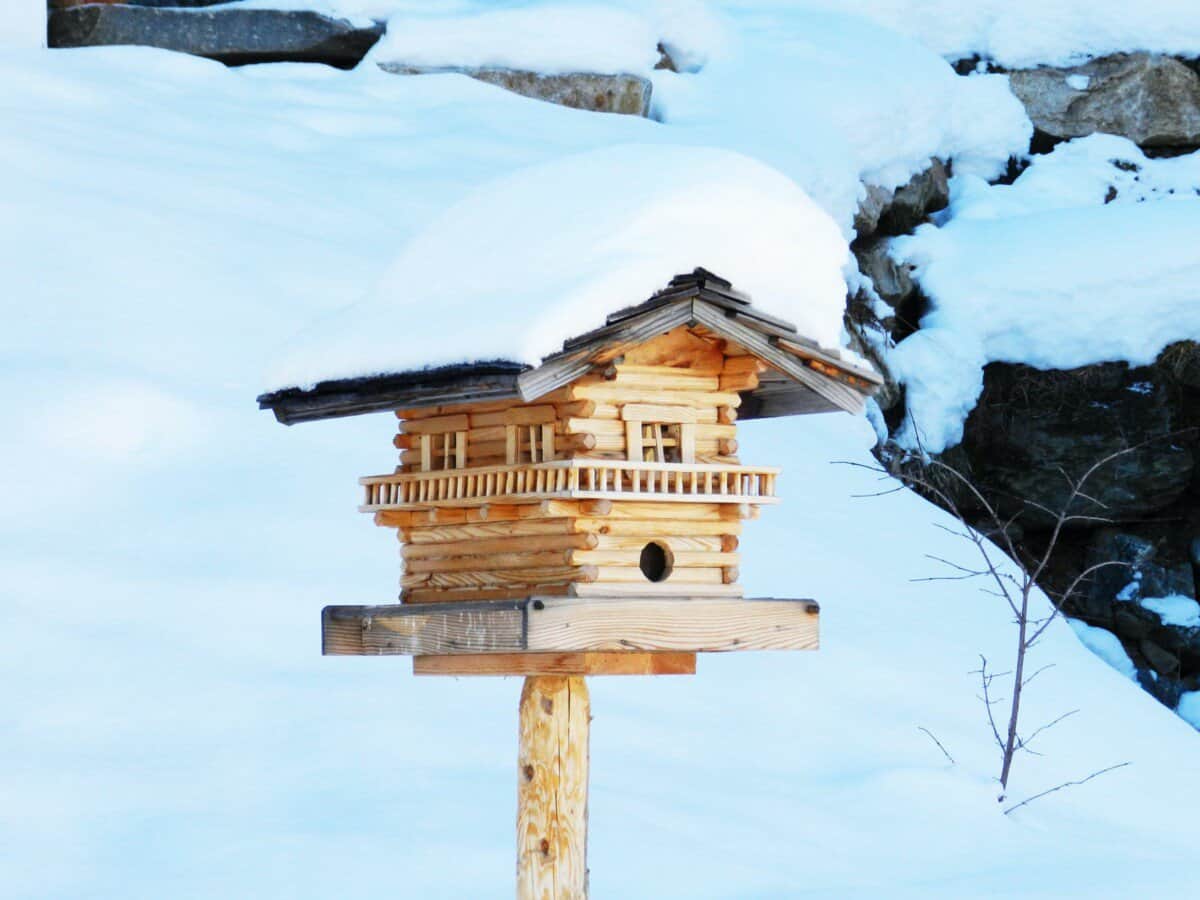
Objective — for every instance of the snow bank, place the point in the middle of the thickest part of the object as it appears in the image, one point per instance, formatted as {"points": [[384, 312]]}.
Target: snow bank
{"points": [[546, 253], [797, 88], [150, 745], [23, 24], [1189, 708], [1092, 255], [1105, 645], [1026, 33]]}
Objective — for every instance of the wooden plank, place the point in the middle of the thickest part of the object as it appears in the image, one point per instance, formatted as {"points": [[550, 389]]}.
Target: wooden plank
{"points": [[517, 415], [492, 562], [703, 625], [531, 577], [633, 440], [699, 622], [523, 544], [470, 533], [661, 378], [646, 412], [644, 589], [682, 559], [552, 788], [642, 529], [456, 595], [687, 442], [511, 444], [409, 630], [436, 424], [460, 449], [557, 664], [608, 392], [633, 575], [426, 453]]}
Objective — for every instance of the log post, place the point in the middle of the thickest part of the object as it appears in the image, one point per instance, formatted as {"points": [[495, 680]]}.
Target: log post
{"points": [[552, 788]]}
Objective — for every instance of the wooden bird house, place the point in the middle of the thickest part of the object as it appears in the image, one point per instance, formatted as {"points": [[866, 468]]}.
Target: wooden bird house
{"points": [[583, 516]]}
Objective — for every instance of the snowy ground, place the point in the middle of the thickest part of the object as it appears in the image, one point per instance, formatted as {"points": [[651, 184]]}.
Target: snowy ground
{"points": [[172, 730]]}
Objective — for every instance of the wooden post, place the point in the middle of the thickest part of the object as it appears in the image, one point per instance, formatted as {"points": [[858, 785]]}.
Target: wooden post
{"points": [[552, 788]]}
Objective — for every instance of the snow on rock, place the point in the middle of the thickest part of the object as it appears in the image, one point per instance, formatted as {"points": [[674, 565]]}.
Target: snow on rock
{"points": [[1177, 610], [551, 38], [1026, 33], [1105, 645], [547, 252], [1092, 255], [797, 88]]}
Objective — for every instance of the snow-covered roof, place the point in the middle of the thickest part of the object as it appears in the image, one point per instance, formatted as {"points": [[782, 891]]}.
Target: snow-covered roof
{"points": [[496, 283], [804, 378]]}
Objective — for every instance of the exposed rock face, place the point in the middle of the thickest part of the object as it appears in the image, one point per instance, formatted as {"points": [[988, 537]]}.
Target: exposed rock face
{"points": [[65, 4], [620, 93], [1031, 425], [1153, 100], [229, 34], [902, 210]]}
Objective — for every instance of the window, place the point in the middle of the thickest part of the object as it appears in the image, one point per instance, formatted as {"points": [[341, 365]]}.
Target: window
{"points": [[660, 442]]}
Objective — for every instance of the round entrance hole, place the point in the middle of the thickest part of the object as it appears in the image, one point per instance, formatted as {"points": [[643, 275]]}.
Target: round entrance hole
{"points": [[655, 561]]}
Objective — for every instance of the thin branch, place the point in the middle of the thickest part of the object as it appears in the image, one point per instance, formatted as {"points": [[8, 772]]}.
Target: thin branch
{"points": [[945, 752], [1025, 742], [1065, 784], [1038, 672]]}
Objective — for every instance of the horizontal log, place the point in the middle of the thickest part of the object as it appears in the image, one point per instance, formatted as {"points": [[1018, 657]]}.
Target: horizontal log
{"points": [[436, 425], [647, 528], [675, 542], [684, 559], [429, 412], [482, 531], [557, 664], [659, 378], [519, 415], [692, 624], [645, 412], [454, 595], [611, 393], [658, 589], [506, 577], [484, 547], [633, 575]]}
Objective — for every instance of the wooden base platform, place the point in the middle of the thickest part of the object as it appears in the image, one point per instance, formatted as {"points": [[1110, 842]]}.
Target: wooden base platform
{"points": [[600, 663], [569, 635]]}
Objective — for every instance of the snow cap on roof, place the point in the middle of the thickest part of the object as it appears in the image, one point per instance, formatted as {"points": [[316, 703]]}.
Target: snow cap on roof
{"points": [[547, 252]]}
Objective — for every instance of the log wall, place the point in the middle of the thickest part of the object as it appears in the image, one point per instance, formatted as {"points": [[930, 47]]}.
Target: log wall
{"points": [[674, 398]]}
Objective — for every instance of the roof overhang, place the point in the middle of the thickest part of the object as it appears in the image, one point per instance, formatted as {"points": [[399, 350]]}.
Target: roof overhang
{"points": [[803, 378]]}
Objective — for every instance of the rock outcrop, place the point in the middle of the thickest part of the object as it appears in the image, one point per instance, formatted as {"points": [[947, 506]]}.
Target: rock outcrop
{"points": [[1151, 99], [1031, 426], [903, 209], [230, 34], [619, 93]]}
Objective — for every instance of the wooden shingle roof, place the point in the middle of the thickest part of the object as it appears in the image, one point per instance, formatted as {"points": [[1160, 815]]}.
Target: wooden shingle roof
{"points": [[803, 378]]}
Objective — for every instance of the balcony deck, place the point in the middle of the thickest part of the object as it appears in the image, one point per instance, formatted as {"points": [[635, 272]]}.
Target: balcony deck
{"points": [[572, 479]]}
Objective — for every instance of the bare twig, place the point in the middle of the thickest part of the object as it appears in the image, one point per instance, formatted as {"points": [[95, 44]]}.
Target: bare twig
{"points": [[1065, 784], [945, 752]]}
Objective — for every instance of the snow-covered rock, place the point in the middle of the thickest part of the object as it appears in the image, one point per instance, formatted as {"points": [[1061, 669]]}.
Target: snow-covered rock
{"points": [[899, 210], [233, 35], [1151, 99], [623, 94]]}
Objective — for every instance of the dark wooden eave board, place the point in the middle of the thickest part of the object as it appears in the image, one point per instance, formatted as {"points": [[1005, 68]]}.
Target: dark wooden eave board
{"points": [[494, 380]]}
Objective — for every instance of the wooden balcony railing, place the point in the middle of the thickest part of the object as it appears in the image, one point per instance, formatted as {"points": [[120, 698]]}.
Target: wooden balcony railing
{"points": [[583, 479]]}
